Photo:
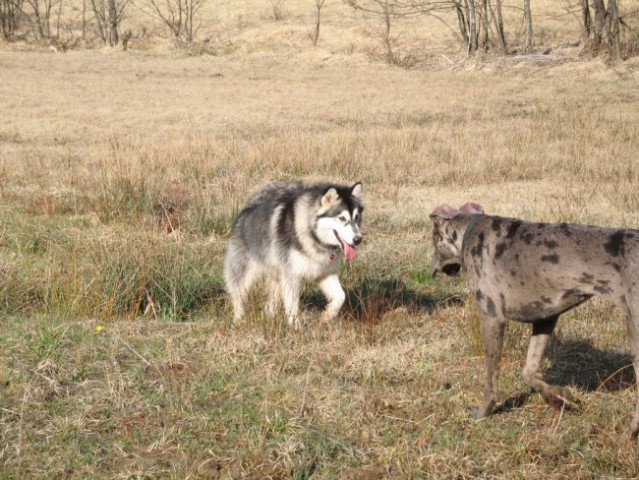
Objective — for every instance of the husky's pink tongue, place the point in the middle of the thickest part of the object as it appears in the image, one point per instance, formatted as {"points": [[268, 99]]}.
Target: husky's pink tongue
{"points": [[349, 251]]}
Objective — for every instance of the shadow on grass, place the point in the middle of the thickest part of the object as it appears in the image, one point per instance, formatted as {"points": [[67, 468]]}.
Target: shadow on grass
{"points": [[368, 301], [577, 363]]}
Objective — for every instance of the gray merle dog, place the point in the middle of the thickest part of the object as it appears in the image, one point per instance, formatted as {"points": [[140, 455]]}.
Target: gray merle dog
{"points": [[288, 233], [534, 272]]}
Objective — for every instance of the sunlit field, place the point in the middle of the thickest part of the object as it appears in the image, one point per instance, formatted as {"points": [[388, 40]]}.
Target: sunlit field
{"points": [[121, 172]]}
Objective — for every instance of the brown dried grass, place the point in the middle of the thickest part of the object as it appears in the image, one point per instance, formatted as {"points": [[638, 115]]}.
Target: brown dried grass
{"points": [[93, 142]]}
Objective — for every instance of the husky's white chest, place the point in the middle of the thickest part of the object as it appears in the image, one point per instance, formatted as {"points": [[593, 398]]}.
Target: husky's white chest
{"points": [[313, 267]]}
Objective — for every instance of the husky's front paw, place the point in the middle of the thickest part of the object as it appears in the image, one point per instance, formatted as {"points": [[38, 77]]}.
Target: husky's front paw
{"points": [[294, 322], [239, 320], [327, 317]]}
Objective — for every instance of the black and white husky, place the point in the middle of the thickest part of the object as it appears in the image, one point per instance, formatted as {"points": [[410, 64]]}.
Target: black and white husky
{"points": [[288, 233]]}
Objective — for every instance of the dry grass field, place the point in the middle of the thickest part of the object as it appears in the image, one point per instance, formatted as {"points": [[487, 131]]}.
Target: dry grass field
{"points": [[118, 357]]}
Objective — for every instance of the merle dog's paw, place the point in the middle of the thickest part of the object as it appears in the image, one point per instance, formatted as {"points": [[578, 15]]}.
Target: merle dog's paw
{"points": [[475, 412], [486, 410]]}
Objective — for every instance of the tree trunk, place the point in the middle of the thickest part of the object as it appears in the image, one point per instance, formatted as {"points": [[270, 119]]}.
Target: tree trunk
{"points": [[113, 23], [37, 27], [387, 39], [47, 18], [84, 20], [613, 27], [484, 24], [318, 4], [600, 22], [473, 39], [529, 26], [180, 20], [499, 22], [189, 21], [461, 18], [99, 17], [10, 12], [57, 31], [585, 18]]}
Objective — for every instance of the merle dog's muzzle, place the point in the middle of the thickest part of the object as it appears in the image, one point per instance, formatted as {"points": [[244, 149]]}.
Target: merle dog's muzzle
{"points": [[450, 268]]}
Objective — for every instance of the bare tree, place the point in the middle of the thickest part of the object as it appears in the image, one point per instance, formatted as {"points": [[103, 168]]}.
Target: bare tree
{"points": [[586, 18], [109, 15], [179, 16], [606, 29], [277, 9], [387, 10], [484, 24], [319, 4], [467, 19], [475, 18], [613, 27], [600, 22], [528, 41], [10, 15], [40, 17], [383, 9], [499, 26]]}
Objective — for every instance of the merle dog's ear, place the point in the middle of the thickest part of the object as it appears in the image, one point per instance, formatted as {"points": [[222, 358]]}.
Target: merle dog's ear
{"points": [[472, 207], [444, 212], [356, 190]]}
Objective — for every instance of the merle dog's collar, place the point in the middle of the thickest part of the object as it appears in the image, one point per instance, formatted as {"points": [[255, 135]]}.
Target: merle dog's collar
{"points": [[468, 230]]}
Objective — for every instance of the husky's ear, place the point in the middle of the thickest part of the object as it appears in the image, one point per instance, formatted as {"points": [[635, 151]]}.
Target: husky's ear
{"points": [[329, 198], [472, 207], [444, 212], [356, 190]]}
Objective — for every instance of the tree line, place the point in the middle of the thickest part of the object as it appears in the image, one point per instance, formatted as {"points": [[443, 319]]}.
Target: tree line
{"points": [[41, 19], [479, 25]]}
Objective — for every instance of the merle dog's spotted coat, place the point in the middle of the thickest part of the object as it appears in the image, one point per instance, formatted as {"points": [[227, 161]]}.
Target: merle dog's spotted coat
{"points": [[534, 272]]}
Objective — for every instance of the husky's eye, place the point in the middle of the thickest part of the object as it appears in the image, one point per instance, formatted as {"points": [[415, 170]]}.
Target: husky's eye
{"points": [[342, 218]]}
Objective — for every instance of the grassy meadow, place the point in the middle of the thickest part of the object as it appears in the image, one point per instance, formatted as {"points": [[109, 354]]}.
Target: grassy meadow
{"points": [[121, 173]]}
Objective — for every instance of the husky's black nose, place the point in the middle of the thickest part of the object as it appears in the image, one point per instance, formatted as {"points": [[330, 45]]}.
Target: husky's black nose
{"points": [[357, 239]]}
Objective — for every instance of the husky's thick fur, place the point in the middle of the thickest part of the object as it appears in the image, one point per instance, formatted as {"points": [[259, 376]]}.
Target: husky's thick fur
{"points": [[288, 233], [534, 272]]}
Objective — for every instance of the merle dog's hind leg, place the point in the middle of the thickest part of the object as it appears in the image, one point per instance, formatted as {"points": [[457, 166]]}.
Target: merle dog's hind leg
{"points": [[632, 326], [541, 333]]}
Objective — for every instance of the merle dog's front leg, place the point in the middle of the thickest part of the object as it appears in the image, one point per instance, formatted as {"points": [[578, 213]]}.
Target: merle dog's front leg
{"points": [[492, 331]]}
